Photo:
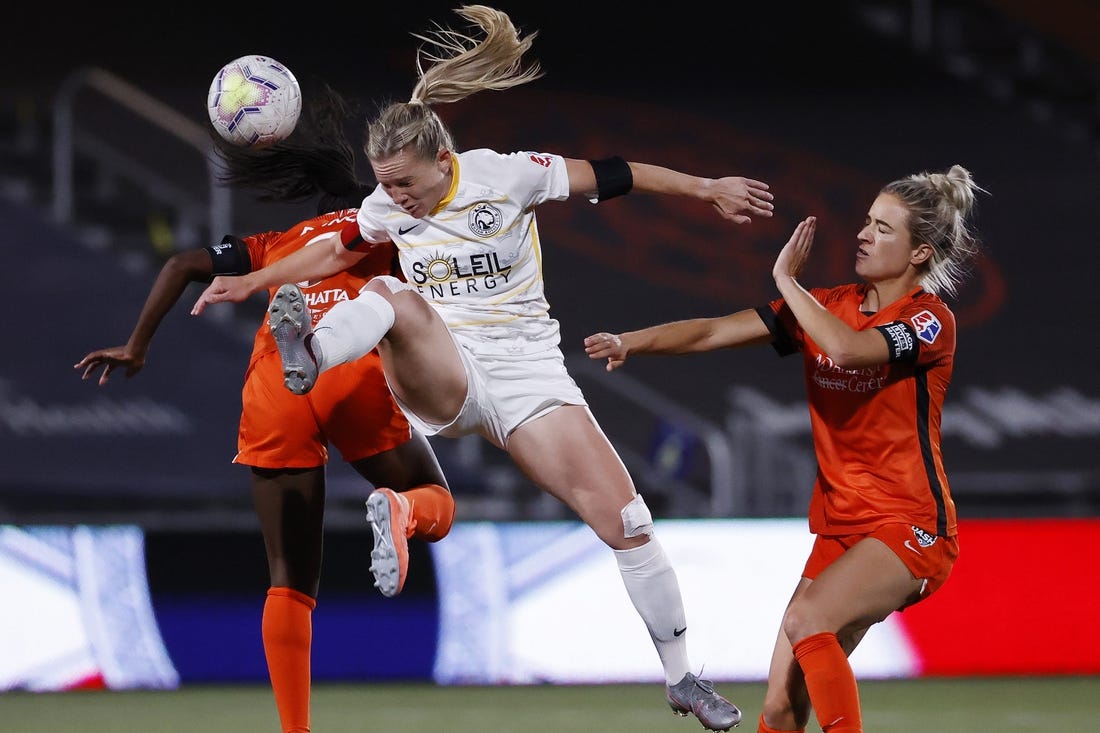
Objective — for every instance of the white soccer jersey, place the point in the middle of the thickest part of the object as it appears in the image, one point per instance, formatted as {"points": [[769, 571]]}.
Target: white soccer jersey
{"points": [[477, 258]]}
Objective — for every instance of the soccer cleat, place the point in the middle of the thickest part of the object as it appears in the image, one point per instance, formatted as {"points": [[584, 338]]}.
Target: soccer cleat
{"points": [[291, 324], [388, 516], [696, 696]]}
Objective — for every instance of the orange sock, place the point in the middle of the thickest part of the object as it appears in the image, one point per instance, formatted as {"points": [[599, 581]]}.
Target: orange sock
{"points": [[431, 512], [830, 682], [287, 630], [764, 728]]}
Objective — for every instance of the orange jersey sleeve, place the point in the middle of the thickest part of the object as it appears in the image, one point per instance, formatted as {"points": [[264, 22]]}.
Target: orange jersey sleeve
{"points": [[877, 429]]}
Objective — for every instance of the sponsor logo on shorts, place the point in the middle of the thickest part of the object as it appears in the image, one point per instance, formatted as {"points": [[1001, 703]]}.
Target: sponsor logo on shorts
{"points": [[924, 539]]}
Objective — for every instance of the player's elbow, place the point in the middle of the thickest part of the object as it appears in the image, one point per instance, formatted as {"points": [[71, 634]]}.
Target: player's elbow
{"points": [[844, 359], [192, 265], [856, 349], [852, 356]]}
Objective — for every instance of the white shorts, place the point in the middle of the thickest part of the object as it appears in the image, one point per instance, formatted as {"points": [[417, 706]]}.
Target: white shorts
{"points": [[503, 393]]}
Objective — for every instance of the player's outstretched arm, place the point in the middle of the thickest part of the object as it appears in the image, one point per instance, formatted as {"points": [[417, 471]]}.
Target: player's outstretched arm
{"points": [[735, 198], [177, 273], [692, 336], [314, 262]]}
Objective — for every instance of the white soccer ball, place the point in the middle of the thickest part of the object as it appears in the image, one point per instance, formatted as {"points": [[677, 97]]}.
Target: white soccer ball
{"points": [[254, 101]]}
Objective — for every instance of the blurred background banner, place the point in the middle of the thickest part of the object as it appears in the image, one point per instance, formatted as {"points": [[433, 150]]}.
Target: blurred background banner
{"points": [[83, 619], [526, 603], [521, 603]]}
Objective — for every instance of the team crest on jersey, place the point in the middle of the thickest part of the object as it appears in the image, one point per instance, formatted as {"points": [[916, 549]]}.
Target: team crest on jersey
{"points": [[927, 326], [485, 220]]}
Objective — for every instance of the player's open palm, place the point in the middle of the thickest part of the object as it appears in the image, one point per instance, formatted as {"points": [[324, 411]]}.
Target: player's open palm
{"points": [[740, 199], [792, 258]]}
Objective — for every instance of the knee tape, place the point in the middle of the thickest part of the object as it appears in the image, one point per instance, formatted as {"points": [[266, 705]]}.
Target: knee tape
{"points": [[636, 518], [394, 284]]}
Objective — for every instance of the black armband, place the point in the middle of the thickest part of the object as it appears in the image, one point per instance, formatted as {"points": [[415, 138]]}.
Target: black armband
{"points": [[901, 340], [613, 177], [230, 256], [350, 238], [782, 341]]}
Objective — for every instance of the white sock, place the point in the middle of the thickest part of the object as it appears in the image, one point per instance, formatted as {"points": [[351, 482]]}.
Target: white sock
{"points": [[655, 592], [351, 329]]}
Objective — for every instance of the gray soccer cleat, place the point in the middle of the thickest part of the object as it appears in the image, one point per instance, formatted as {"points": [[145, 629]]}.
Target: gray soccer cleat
{"points": [[696, 696], [291, 324]]}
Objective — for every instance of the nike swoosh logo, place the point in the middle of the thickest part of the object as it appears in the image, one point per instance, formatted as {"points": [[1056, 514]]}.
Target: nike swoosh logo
{"points": [[679, 632], [406, 230], [911, 547]]}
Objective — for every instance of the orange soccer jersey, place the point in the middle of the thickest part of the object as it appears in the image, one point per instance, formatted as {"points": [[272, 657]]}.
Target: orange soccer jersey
{"points": [[351, 408], [877, 429]]}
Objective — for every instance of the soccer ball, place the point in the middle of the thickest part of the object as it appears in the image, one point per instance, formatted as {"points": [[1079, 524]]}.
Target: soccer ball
{"points": [[254, 101]]}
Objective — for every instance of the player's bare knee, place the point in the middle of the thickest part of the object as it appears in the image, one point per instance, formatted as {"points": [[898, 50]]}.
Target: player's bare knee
{"points": [[636, 518]]}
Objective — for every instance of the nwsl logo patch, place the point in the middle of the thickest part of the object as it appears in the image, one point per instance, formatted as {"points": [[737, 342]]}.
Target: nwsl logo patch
{"points": [[927, 326]]}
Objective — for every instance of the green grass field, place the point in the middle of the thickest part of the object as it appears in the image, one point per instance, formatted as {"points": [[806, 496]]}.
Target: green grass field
{"points": [[1000, 705]]}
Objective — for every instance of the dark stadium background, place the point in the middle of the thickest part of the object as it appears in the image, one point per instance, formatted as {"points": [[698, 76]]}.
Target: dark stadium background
{"points": [[825, 101]]}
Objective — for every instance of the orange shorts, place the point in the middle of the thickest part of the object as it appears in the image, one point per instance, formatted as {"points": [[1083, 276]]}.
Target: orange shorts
{"points": [[928, 557], [350, 408]]}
